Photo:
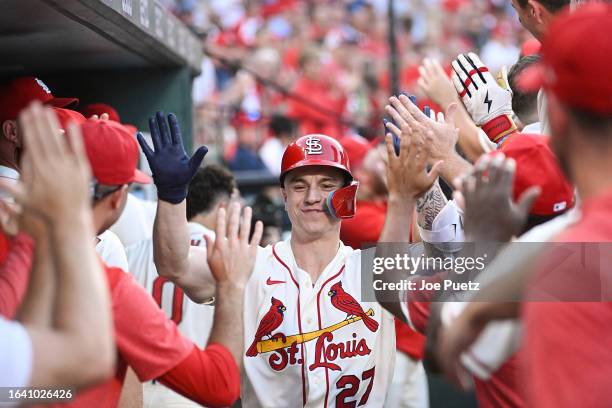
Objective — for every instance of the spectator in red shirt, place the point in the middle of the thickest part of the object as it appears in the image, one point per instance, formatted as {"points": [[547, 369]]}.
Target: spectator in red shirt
{"points": [[321, 103]]}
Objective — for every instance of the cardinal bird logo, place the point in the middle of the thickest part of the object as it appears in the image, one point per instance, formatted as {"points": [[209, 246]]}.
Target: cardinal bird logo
{"points": [[270, 322], [346, 303]]}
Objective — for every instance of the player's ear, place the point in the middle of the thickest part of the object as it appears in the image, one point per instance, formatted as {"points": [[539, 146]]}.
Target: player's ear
{"points": [[117, 197], [537, 10], [9, 130]]}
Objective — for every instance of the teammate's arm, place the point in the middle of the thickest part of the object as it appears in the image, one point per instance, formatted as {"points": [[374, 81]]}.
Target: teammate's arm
{"points": [[438, 86], [175, 259], [407, 180], [172, 171], [77, 349]]}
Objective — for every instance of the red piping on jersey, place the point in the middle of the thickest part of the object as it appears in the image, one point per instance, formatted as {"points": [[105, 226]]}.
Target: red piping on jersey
{"points": [[299, 321], [320, 327]]}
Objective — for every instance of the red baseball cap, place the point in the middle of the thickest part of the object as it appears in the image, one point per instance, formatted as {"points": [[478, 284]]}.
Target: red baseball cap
{"points": [[18, 93], [536, 165], [65, 116], [100, 108], [112, 152], [576, 59]]}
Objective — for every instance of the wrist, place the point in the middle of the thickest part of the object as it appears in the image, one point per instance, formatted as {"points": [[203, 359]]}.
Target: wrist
{"points": [[230, 287], [401, 201], [499, 127], [172, 194], [67, 223]]}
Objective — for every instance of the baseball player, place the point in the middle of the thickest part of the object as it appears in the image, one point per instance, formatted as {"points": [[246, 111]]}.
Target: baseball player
{"points": [[210, 190], [145, 339], [49, 345], [309, 340]]}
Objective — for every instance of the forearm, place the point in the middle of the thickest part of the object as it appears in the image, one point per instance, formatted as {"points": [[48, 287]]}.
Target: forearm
{"points": [[38, 303], [454, 166], [396, 230], [468, 135], [429, 206], [228, 325], [82, 302], [171, 240], [399, 217]]}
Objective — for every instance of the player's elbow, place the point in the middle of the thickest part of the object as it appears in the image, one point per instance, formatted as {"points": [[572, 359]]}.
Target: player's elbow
{"points": [[227, 383], [98, 358], [225, 398]]}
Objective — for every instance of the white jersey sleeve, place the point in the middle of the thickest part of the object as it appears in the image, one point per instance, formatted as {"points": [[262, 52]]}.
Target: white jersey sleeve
{"points": [[16, 356]]}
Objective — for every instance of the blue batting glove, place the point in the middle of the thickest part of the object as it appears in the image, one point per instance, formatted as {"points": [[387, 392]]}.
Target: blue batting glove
{"points": [[396, 140], [171, 166]]}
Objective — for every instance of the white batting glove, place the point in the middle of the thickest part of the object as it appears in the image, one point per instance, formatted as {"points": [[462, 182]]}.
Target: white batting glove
{"points": [[489, 105]]}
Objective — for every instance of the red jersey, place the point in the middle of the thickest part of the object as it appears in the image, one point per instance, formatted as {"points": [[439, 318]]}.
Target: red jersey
{"points": [[502, 389], [15, 265], [568, 345], [150, 343]]}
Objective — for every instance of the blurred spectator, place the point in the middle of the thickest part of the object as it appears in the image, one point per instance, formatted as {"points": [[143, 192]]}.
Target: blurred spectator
{"points": [[282, 132], [245, 155], [325, 64]]}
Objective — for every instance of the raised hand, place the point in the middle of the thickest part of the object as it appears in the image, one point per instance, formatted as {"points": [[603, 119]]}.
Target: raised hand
{"points": [[489, 105], [231, 256], [439, 132], [406, 173], [434, 83], [486, 195], [55, 175], [172, 168]]}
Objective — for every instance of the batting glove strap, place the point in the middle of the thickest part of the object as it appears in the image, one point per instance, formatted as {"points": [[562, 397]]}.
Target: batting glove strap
{"points": [[499, 127]]}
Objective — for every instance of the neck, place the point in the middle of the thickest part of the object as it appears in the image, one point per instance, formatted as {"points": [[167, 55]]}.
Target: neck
{"points": [[207, 220], [9, 160], [592, 170], [314, 254]]}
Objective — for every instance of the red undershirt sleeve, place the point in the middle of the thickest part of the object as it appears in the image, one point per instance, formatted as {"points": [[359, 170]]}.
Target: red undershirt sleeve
{"points": [[209, 377]]}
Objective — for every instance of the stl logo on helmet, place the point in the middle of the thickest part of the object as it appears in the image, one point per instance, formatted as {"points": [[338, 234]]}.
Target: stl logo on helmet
{"points": [[313, 146]]}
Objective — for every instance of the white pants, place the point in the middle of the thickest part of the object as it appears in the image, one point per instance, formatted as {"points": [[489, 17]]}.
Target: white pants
{"points": [[158, 396], [409, 386]]}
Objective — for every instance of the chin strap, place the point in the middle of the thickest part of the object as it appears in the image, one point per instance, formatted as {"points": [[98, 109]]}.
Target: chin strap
{"points": [[342, 203]]}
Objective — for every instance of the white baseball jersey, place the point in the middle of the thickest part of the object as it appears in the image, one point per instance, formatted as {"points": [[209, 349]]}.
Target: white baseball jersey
{"points": [[193, 320], [314, 344], [16, 355], [111, 250]]}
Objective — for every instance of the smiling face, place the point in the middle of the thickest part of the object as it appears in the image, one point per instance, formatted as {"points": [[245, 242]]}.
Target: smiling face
{"points": [[305, 192]]}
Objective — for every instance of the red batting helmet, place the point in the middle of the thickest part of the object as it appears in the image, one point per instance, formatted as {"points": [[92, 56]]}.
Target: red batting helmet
{"points": [[315, 150]]}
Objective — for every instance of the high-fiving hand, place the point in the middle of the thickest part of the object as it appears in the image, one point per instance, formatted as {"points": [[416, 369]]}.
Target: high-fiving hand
{"points": [[489, 105], [172, 168], [231, 256]]}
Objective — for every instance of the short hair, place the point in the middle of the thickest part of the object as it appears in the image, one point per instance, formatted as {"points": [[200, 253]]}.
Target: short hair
{"points": [[553, 6], [281, 125], [524, 104], [208, 186]]}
